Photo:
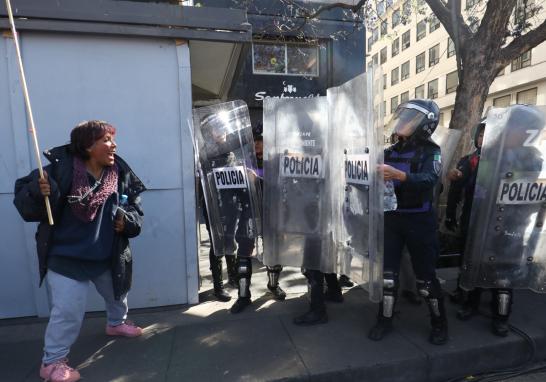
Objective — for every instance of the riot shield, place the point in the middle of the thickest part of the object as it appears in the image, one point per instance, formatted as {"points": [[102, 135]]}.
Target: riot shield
{"points": [[448, 140], [227, 164], [506, 244], [296, 195], [356, 138]]}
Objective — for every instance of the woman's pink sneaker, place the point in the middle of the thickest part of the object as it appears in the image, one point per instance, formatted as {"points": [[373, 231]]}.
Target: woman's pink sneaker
{"points": [[127, 329], [59, 372]]}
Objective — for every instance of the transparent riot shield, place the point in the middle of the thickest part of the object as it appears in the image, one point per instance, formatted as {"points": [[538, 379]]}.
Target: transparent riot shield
{"points": [[506, 244], [227, 164], [356, 138], [448, 140], [296, 195]]}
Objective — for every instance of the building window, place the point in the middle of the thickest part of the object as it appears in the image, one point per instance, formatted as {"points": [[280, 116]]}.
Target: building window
{"points": [[384, 81], [394, 104], [421, 29], [522, 61], [370, 43], [420, 91], [524, 10], [450, 47], [406, 40], [433, 23], [452, 79], [433, 89], [380, 8], [503, 101], [383, 55], [394, 76], [471, 3], [395, 18], [404, 70], [404, 97], [375, 59], [285, 59], [384, 111], [420, 63], [527, 97], [395, 47], [384, 28], [406, 8], [434, 55]]}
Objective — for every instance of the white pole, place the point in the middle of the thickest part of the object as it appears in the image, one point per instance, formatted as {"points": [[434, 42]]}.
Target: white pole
{"points": [[29, 108]]}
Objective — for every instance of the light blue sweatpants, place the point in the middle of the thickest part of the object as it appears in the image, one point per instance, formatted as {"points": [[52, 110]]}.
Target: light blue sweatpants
{"points": [[68, 298]]}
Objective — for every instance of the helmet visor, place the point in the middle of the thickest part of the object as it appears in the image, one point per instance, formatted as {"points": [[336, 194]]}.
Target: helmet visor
{"points": [[405, 121]]}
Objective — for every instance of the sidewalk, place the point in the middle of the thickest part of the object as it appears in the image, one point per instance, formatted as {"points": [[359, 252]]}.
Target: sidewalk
{"points": [[207, 343]]}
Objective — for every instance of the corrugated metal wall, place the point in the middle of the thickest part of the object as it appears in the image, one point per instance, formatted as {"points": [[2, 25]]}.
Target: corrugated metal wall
{"points": [[143, 87]]}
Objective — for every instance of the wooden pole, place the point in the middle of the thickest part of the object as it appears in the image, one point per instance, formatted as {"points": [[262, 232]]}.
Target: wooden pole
{"points": [[29, 108]]}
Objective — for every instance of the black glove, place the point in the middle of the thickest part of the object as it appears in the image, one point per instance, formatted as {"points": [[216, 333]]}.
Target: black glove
{"points": [[451, 224]]}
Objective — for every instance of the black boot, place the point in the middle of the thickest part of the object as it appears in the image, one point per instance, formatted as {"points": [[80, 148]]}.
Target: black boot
{"points": [[438, 321], [317, 312], [244, 273], [345, 281], [216, 271], [500, 327], [382, 327], [312, 317], [273, 274], [501, 307], [471, 305], [333, 292], [231, 264]]}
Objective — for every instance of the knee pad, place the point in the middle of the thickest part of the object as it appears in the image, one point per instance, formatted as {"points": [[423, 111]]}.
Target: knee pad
{"points": [[274, 269], [244, 267], [390, 286], [504, 302], [429, 289]]}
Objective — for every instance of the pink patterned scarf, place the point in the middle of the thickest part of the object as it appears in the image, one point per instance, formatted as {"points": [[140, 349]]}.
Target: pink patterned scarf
{"points": [[86, 200]]}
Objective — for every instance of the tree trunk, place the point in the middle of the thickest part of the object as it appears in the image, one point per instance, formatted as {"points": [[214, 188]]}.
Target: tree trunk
{"points": [[469, 102]]}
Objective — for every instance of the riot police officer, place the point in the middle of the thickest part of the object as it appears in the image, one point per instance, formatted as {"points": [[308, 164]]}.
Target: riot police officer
{"points": [[507, 212], [413, 163], [232, 190]]}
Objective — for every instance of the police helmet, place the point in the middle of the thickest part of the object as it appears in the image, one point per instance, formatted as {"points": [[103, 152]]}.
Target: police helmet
{"points": [[416, 118], [521, 120]]}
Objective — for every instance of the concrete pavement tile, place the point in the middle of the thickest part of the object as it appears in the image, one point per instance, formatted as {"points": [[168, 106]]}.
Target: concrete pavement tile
{"points": [[20, 360], [340, 350], [242, 350], [103, 358]]}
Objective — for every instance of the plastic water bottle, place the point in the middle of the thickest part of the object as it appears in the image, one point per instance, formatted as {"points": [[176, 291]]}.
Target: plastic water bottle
{"points": [[389, 199], [123, 203]]}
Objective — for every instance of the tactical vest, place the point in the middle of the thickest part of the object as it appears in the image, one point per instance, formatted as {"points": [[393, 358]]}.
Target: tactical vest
{"points": [[410, 162]]}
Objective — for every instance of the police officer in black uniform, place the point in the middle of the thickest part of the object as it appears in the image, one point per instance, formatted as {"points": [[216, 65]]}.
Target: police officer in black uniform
{"points": [[237, 221], [413, 163]]}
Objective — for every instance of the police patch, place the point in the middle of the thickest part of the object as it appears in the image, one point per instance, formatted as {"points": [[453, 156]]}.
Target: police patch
{"points": [[437, 164]]}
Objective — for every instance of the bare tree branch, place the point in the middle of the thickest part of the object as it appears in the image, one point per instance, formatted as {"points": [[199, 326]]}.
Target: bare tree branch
{"points": [[495, 20], [354, 8], [450, 17], [523, 43]]}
